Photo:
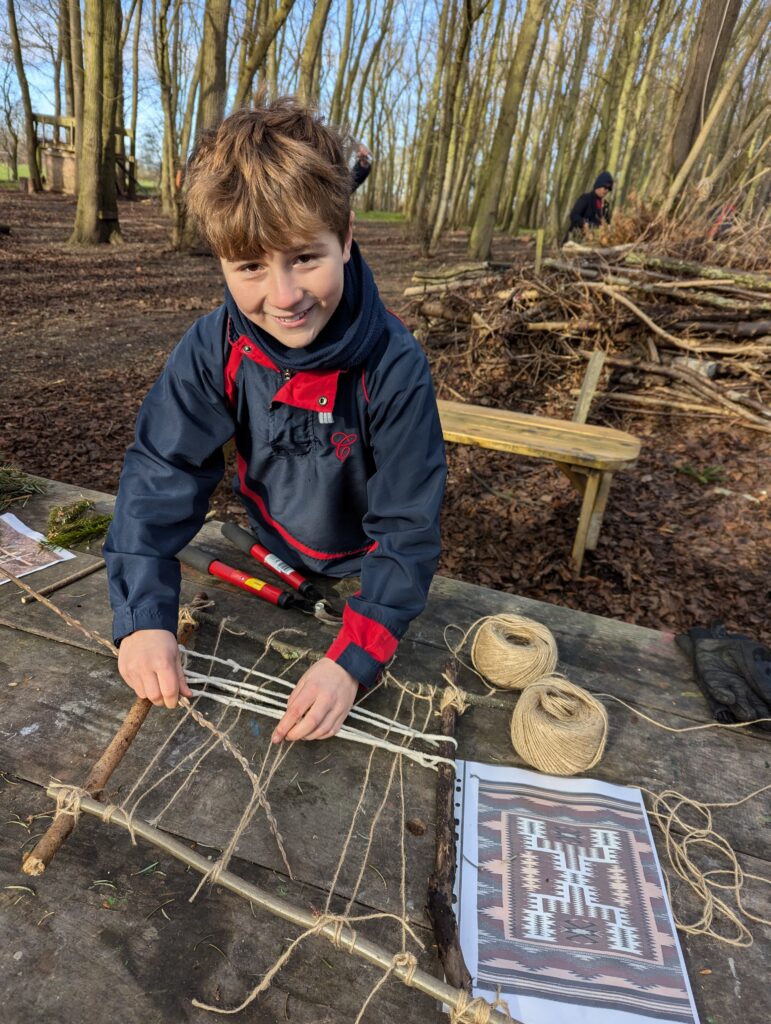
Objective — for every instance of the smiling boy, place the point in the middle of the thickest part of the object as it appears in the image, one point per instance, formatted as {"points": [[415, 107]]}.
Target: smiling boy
{"points": [[340, 459]]}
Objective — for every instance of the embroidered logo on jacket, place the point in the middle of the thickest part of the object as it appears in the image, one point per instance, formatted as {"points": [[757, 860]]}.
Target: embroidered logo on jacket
{"points": [[343, 443]]}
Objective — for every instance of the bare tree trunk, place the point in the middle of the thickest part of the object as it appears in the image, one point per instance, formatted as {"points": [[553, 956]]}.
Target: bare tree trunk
{"points": [[311, 50], [480, 242], [58, 81], [336, 107], [78, 74], [29, 127], [132, 181], [717, 19], [87, 226], [450, 131], [720, 99], [214, 50], [66, 46], [259, 50], [109, 227]]}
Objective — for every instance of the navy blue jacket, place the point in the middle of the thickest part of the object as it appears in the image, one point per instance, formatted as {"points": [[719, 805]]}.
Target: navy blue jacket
{"points": [[359, 174], [357, 495], [589, 208]]}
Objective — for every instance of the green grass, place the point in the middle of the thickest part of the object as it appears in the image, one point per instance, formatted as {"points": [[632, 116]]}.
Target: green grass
{"points": [[380, 215], [5, 174]]}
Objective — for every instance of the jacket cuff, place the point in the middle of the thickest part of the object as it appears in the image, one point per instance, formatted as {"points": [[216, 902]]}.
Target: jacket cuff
{"points": [[362, 647], [128, 620]]}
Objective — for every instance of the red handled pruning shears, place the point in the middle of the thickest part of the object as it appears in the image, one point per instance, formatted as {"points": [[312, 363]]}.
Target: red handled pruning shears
{"points": [[245, 542], [307, 597], [204, 563]]}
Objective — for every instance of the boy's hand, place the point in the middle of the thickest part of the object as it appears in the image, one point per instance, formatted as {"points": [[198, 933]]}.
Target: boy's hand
{"points": [[319, 703], [149, 662]]}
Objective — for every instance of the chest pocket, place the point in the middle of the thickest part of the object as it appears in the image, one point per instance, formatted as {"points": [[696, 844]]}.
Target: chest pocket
{"points": [[290, 431]]}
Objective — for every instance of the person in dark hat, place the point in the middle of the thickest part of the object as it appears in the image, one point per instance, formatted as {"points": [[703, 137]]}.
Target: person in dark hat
{"points": [[591, 209], [362, 167]]}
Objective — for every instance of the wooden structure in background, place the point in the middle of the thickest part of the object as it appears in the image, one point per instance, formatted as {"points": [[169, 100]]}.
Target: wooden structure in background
{"points": [[56, 155]]}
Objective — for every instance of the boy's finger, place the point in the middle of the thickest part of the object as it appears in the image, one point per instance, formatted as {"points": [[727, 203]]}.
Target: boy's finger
{"points": [[169, 686], [184, 689], [291, 716], [307, 725], [325, 728], [150, 689], [296, 694]]}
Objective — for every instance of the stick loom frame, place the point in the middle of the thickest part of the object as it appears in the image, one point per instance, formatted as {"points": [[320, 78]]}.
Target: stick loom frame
{"points": [[339, 935]]}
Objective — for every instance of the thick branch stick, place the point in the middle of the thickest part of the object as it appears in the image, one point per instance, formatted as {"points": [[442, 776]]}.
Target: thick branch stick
{"points": [[742, 277], [90, 633], [684, 343], [442, 880], [40, 856]]}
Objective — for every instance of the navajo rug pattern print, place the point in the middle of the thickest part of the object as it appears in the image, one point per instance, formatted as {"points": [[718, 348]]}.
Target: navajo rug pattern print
{"points": [[570, 905]]}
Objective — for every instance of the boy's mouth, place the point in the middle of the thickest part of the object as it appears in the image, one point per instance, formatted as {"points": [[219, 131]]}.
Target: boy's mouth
{"points": [[294, 320]]}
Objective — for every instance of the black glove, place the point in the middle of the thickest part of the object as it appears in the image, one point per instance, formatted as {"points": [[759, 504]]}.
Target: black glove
{"points": [[732, 671]]}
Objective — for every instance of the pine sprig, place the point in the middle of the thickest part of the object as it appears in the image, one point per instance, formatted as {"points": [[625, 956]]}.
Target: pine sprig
{"points": [[76, 523], [16, 486]]}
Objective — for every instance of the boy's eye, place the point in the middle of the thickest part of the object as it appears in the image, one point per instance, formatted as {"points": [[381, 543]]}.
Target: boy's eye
{"points": [[306, 257], [251, 268]]}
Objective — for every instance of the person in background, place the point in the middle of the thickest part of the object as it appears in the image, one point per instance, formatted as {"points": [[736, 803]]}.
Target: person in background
{"points": [[722, 220], [591, 209], [362, 167]]}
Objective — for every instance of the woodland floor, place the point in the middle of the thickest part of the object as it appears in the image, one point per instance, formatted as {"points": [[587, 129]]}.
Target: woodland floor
{"points": [[84, 333]]}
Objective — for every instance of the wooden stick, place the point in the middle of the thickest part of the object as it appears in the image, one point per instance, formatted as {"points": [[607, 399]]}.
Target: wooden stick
{"points": [[90, 633], [72, 578], [442, 880], [40, 856]]}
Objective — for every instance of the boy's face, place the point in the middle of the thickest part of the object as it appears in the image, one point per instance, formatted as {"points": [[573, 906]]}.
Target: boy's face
{"points": [[292, 293]]}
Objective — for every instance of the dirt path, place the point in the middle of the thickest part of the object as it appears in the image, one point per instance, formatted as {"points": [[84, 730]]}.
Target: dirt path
{"points": [[85, 333]]}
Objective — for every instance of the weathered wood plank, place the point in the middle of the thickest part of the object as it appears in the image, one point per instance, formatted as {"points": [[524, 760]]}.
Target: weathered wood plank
{"points": [[579, 444], [55, 720]]}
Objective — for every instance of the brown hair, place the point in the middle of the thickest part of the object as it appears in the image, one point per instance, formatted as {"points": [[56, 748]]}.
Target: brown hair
{"points": [[269, 178]]}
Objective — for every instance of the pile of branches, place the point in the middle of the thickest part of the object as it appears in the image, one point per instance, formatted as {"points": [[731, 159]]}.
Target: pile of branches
{"points": [[680, 335]]}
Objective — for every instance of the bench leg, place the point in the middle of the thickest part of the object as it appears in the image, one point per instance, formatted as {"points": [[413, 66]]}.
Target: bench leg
{"points": [[584, 521], [595, 524]]}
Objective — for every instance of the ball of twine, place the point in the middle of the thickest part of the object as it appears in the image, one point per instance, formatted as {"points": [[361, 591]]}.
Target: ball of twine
{"points": [[559, 728], [512, 652]]}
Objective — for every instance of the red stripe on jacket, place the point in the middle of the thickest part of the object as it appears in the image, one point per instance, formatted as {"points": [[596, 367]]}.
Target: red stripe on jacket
{"points": [[376, 640], [239, 348]]}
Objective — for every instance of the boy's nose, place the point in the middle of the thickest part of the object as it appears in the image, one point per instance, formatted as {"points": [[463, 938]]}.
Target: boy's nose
{"points": [[284, 292]]}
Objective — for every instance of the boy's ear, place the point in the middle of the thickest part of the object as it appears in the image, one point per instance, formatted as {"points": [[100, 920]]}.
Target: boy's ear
{"points": [[348, 239]]}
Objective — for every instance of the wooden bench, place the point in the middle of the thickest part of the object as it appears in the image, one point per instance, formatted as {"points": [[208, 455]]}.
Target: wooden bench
{"points": [[588, 455]]}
